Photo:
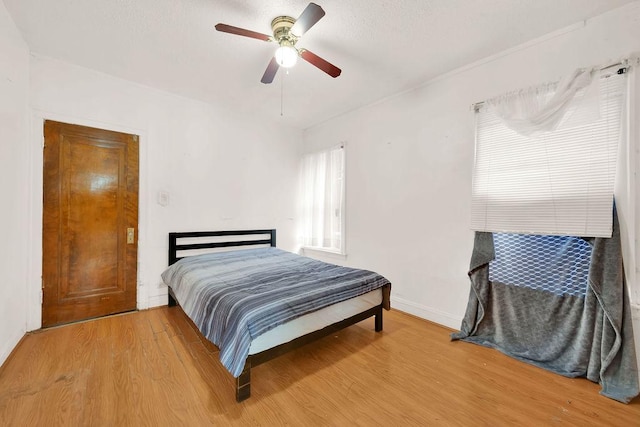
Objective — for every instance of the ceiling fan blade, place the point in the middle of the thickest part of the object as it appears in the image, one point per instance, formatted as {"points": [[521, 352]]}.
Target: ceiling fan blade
{"points": [[270, 72], [307, 19], [242, 32], [316, 61]]}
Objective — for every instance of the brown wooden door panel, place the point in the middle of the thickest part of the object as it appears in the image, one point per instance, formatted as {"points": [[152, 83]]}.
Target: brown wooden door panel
{"points": [[90, 200]]}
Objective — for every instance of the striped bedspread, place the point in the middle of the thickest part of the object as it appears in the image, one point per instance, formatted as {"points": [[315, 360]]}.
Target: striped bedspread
{"points": [[233, 297]]}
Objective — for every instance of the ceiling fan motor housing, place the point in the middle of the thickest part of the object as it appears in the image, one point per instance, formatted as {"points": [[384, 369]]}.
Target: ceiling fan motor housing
{"points": [[281, 27]]}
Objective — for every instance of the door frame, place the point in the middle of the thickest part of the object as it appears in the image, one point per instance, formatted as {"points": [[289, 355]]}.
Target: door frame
{"points": [[34, 240]]}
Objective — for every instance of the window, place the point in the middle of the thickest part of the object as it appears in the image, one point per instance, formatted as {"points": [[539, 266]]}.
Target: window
{"points": [[555, 264], [553, 174], [322, 195]]}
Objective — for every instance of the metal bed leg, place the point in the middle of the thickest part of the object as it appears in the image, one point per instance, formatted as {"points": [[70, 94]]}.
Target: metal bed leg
{"points": [[243, 383], [378, 319], [172, 302]]}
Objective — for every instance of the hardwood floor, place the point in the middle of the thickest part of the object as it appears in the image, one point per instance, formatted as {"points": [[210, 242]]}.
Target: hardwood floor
{"points": [[151, 368]]}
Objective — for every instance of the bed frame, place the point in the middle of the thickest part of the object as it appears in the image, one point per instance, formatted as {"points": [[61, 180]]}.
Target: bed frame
{"points": [[243, 382]]}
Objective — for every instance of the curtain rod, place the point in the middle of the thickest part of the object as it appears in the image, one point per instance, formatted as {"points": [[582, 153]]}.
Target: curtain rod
{"points": [[625, 63]]}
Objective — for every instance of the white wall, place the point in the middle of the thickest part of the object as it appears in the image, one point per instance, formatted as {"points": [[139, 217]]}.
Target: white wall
{"points": [[14, 174], [409, 165], [409, 162], [222, 171]]}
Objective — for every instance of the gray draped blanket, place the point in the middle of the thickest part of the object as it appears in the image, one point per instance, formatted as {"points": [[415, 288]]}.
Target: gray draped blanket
{"points": [[576, 336]]}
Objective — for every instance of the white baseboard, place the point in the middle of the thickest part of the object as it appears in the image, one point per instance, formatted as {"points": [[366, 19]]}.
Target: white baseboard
{"points": [[157, 300], [428, 313], [635, 319], [9, 345]]}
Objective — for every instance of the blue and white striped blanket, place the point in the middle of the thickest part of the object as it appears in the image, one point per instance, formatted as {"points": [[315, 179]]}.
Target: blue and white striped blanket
{"points": [[233, 297]]}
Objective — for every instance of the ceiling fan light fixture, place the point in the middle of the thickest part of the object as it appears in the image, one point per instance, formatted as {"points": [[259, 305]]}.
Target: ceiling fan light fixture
{"points": [[286, 56], [286, 33]]}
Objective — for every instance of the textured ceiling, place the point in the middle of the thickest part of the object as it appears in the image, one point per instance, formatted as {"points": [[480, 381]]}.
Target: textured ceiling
{"points": [[382, 47]]}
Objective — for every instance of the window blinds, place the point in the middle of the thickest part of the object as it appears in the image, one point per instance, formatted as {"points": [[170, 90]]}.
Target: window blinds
{"points": [[559, 182]]}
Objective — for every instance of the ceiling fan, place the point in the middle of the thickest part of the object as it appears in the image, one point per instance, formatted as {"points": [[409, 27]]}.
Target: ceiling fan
{"points": [[286, 32]]}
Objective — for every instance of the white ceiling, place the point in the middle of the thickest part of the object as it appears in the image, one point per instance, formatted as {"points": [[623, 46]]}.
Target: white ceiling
{"points": [[382, 47]]}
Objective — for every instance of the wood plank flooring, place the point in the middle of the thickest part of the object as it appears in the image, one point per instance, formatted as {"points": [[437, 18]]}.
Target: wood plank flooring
{"points": [[151, 368]]}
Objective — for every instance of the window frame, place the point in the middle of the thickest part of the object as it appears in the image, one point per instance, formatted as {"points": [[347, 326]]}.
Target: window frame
{"points": [[332, 251], [542, 192]]}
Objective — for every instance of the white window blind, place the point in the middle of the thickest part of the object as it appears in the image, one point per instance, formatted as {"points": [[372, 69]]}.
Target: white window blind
{"points": [[322, 195], [559, 182]]}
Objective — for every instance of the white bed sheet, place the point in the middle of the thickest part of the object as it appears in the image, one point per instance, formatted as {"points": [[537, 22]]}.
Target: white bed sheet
{"points": [[314, 321]]}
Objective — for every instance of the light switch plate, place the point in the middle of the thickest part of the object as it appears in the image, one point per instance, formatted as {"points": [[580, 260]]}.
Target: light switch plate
{"points": [[163, 198]]}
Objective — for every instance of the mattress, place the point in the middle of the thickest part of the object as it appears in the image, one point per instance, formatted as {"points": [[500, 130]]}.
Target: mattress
{"points": [[315, 321]]}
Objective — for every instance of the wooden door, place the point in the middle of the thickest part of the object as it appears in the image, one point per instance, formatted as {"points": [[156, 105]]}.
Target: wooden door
{"points": [[90, 223]]}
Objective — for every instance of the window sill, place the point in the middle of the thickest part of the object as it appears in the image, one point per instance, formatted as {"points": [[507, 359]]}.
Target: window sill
{"points": [[323, 252]]}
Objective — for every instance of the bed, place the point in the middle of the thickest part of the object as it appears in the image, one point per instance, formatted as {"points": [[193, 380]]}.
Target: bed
{"points": [[256, 302]]}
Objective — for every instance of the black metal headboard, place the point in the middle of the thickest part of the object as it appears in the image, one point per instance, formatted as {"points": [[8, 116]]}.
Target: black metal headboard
{"points": [[174, 247]]}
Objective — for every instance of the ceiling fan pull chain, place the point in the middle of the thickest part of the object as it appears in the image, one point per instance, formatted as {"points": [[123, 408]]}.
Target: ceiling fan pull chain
{"points": [[282, 93]]}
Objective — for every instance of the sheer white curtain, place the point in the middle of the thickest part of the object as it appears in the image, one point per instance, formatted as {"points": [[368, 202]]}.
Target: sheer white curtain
{"points": [[322, 196], [542, 108]]}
